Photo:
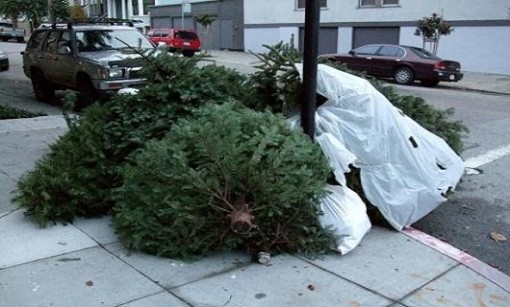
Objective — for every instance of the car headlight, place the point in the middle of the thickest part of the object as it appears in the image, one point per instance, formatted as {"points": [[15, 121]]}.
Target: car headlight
{"points": [[112, 73], [3, 55], [116, 72]]}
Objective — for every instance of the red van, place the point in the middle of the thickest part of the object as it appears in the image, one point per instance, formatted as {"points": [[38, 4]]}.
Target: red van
{"points": [[185, 41]]}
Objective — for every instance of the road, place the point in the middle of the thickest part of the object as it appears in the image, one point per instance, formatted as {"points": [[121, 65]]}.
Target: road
{"points": [[479, 206]]}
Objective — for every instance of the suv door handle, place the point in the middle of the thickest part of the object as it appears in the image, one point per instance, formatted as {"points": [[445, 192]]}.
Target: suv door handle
{"points": [[55, 58]]}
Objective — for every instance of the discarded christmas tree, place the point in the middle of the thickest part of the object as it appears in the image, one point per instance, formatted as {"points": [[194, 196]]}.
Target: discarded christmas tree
{"points": [[229, 178]]}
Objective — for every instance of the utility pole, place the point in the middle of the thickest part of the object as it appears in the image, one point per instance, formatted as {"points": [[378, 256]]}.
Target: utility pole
{"points": [[311, 46], [182, 14], [49, 11], [185, 8]]}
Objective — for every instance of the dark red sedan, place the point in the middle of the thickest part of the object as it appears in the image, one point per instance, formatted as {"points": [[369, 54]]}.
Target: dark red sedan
{"points": [[404, 64]]}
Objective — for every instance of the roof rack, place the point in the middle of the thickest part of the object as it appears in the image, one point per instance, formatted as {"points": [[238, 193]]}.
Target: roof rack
{"points": [[105, 21]]}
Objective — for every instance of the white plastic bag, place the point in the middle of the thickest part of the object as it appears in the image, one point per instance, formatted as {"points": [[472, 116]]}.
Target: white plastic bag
{"points": [[346, 214]]}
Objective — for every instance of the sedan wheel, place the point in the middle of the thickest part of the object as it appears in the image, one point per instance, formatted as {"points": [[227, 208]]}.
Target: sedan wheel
{"points": [[404, 75]]}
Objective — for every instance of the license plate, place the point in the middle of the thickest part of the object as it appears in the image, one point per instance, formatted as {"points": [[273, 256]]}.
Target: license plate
{"points": [[186, 44]]}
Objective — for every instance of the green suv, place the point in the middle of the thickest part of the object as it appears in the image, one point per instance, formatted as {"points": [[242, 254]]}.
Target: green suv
{"points": [[95, 58]]}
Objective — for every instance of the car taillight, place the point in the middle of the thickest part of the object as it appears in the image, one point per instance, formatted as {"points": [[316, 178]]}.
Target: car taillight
{"points": [[440, 66]]}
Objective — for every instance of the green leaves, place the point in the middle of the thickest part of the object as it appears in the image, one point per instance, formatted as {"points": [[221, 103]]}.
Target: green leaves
{"points": [[433, 26]]}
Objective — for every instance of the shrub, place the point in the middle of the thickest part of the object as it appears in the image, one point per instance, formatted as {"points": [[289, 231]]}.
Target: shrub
{"points": [[230, 177]]}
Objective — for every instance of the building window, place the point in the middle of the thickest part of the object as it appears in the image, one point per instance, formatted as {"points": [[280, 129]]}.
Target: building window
{"points": [[367, 2], [302, 3], [377, 3], [389, 2], [146, 4], [134, 5]]}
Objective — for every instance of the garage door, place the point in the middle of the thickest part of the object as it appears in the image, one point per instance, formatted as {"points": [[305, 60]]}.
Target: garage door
{"points": [[161, 22], [375, 35], [328, 40]]}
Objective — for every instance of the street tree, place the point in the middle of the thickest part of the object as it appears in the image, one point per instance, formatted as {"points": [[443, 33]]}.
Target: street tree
{"points": [[77, 13], [431, 28], [59, 10], [34, 10]]}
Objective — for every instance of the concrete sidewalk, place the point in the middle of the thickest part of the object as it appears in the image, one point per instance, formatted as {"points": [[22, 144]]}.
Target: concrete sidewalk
{"points": [[84, 264]]}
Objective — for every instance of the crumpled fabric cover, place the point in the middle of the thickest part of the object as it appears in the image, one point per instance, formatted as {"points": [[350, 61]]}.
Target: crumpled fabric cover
{"points": [[405, 170]]}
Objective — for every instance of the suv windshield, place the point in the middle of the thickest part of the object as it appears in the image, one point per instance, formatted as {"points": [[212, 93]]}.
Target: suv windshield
{"points": [[98, 40]]}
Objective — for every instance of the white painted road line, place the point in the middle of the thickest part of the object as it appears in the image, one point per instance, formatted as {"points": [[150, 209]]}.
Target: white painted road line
{"points": [[487, 157]]}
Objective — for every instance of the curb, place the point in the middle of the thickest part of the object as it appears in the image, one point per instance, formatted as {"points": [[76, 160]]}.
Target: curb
{"points": [[492, 274], [474, 90]]}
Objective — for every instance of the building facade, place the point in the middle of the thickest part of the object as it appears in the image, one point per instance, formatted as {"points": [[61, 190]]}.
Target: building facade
{"points": [[480, 40], [225, 32], [137, 10]]}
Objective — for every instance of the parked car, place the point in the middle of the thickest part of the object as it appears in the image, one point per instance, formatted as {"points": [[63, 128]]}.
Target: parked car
{"points": [[8, 31], [404, 64], [177, 40], [95, 58], [4, 61]]}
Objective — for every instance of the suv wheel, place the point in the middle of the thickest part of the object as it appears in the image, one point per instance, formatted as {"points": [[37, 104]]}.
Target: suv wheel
{"points": [[404, 75], [188, 53], [43, 89], [88, 94]]}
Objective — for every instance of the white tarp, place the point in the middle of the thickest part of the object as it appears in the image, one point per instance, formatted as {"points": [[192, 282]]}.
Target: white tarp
{"points": [[405, 170]]}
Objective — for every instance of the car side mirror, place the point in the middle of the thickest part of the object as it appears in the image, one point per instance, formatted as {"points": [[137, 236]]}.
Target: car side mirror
{"points": [[351, 52], [22, 52]]}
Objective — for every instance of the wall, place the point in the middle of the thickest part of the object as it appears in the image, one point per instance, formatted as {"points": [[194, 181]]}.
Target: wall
{"points": [[270, 12], [480, 40]]}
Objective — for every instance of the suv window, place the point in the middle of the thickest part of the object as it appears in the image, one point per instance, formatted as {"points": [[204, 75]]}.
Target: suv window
{"points": [[51, 42], [36, 39], [185, 35], [96, 40]]}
